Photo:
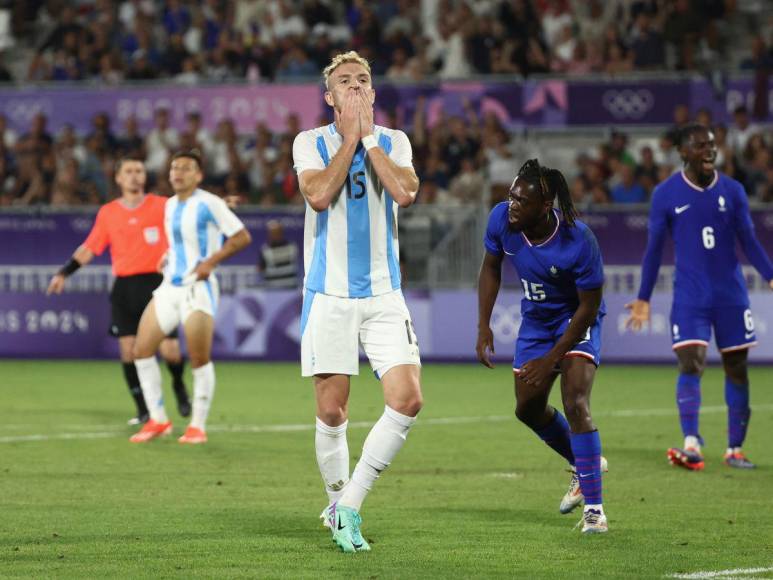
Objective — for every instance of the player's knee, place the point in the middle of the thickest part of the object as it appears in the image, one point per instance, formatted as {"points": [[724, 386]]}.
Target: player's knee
{"points": [[577, 411], [141, 351], [198, 360], [332, 415], [525, 414], [691, 366], [411, 405]]}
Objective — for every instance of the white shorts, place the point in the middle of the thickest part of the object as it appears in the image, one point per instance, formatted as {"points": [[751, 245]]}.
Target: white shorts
{"points": [[333, 328], [174, 304]]}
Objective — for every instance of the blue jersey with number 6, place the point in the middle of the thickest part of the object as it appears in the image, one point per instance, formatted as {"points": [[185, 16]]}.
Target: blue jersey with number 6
{"points": [[704, 224], [552, 272]]}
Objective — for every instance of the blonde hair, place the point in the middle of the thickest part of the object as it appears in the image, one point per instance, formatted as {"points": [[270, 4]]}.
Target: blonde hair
{"points": [[344, 58]]}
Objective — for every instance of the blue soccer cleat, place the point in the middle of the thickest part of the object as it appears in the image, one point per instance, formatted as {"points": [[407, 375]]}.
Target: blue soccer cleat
{"points": [[346, 533], [738, 460]]}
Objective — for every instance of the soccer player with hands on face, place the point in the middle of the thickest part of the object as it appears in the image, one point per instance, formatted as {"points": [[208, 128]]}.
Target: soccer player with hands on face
{"points": [[354, 175], [705, 212], [559, 264]]}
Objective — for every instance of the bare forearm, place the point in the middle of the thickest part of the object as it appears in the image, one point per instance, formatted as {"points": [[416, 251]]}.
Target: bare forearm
{"points": [[83, 255], [401, 182], [232, 245], [489, 281], [323, 187]]}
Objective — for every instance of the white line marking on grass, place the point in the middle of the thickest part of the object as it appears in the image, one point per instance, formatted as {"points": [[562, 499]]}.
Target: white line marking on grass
{"points": [[118, 431], [735, 573]]}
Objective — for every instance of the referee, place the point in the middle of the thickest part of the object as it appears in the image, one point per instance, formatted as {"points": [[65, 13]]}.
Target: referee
{"points": [[133, 227]]}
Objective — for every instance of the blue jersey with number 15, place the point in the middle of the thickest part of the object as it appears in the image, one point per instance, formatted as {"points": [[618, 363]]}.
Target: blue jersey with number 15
{"points": [[552, 272]]}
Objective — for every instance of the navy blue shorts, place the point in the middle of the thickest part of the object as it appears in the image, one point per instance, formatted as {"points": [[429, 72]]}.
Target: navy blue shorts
{"points": [[537, 337], [733, 327]]}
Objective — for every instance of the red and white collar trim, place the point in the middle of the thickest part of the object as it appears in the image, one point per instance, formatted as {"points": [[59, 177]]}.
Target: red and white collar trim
{"points": [[553, 235], [691, 184]]}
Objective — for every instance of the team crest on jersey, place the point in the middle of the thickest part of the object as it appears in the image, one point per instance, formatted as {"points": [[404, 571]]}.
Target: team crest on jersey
{"points": [[722, 204], [152, 235], [553, 271], [675, 330]]}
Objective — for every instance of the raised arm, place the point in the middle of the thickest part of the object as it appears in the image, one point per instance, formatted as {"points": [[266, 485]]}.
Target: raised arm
{"points": [[401, 182], [489, 281], [320, 187]]}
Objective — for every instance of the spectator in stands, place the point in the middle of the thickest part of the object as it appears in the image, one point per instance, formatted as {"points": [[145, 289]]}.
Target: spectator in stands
{"points": [[8, 136], [628, 190], [742, 131], [224, 158], [278, 260], [160, 143], [647, 45], [647, 171], [469, 185], [131, 143]]}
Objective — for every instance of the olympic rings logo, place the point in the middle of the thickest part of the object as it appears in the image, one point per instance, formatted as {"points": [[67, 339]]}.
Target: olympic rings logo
{"points": [[505, 322], [628, 103]]}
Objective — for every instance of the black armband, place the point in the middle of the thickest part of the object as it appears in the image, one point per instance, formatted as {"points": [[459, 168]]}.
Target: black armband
{"points": [[71, 266]]}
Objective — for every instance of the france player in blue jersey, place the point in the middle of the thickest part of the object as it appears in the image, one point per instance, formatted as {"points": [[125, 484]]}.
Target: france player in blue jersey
{"points": [[705, 212], [559, 264]]}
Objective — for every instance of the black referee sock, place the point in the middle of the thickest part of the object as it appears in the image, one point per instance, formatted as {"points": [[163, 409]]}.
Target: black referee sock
{"points": [[133, 381], [176, 370]]}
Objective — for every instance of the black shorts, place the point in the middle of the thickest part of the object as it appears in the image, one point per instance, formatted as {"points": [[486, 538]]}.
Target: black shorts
{"points": [[128, 299]]}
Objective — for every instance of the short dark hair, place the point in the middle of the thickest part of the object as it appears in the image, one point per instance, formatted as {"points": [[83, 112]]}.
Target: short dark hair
{"points": [[688, 131], [194, 154], [126, 159]]}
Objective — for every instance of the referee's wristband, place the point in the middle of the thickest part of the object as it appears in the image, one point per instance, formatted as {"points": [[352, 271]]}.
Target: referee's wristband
{"points": [[369, 142], [71, 266]]}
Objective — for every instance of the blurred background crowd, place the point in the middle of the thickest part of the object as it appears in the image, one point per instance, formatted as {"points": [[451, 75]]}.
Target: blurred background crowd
{"points": [[467, 159]]}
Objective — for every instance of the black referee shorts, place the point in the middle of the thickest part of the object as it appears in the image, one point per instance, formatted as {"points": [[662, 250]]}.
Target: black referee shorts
{"points": [[128, 299]]}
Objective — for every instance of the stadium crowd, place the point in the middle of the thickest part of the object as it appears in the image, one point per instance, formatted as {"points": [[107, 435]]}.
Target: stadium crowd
{"points": [[262, 40]]}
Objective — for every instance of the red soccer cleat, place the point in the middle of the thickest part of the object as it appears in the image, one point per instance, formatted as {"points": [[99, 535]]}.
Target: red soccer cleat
{"points": [[193, 436], [688, 458], [151, 430]]}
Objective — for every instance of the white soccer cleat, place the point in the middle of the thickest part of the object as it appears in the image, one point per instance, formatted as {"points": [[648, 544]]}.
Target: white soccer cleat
{"points": [[573, 497], [328, 516], [594, 522]]}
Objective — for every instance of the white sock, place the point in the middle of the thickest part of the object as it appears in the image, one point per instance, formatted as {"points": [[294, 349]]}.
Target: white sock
{"points": [[692, 442], [332, 457], [203, 391], [382, 444], [150, 380], [594, 506]]}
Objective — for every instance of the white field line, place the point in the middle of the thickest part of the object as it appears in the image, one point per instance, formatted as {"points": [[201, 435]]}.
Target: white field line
{"points": [[119, 431], [734, 573]]}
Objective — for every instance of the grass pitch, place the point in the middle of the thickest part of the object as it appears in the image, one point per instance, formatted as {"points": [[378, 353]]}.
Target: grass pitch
{"points": [[472, 494]]}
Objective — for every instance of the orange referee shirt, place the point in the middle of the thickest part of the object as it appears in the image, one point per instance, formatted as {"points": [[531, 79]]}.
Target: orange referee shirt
{"points": [[135, 235]]}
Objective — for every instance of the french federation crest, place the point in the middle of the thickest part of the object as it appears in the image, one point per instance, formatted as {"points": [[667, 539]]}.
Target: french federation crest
{"points": [[722, 203], [553, 271]]}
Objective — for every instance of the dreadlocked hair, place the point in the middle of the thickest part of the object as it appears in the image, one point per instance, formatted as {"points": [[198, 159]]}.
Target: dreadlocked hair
{"points": [[552, 185]]}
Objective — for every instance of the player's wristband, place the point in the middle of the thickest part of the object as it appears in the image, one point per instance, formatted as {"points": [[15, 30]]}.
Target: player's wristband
{"points": [[369, 142], [71, 266]]}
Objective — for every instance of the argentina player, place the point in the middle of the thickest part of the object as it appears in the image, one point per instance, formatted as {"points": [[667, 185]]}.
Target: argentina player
{"points": [[559, 264], [705, 212], [195, 222], [353, 175]]}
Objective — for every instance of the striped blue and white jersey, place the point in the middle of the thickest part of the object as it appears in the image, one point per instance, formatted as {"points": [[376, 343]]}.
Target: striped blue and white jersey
{"points": [[195, 229], [351, 248]]}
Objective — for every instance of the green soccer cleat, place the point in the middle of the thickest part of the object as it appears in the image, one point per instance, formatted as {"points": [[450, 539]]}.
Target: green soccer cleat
{"points": [[346, 533]]}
